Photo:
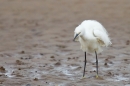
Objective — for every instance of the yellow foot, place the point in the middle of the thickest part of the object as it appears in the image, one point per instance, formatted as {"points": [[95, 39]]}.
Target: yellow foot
{"points": [[82, 77], [96, 76], [99, 78]]}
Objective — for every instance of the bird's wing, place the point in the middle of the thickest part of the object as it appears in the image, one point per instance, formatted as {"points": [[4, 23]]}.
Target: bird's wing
{"points": [[102, 37]]}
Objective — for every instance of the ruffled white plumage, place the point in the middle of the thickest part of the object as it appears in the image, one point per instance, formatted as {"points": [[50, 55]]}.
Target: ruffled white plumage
{"points": [[93, 36]]}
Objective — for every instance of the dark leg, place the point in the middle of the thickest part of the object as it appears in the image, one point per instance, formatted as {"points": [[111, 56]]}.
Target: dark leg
{"points": [[84, 65], [96, 63]]}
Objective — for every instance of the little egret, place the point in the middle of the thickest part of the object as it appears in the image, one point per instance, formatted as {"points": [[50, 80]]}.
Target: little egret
{"points": [[92, 37]]}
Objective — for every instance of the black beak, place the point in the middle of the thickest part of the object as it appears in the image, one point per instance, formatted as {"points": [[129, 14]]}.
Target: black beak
{"points": [[75, 37]]}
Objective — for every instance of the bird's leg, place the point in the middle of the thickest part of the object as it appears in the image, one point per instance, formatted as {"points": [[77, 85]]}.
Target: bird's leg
{"points": [[96, 64], [84, 65]]}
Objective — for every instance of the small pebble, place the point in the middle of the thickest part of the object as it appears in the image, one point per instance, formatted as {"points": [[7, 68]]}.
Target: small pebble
{"points": [[52, 57], [35, 79], [22, 52]]}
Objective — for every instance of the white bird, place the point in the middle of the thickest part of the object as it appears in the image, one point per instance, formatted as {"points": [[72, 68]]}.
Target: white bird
{"points": [[92, 37]]}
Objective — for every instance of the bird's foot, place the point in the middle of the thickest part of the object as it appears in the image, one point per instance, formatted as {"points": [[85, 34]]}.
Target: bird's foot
{"points": [[83, 77], [97, 76]]}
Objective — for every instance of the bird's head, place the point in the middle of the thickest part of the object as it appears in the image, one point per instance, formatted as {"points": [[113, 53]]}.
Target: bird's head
{"points": [[77, 33]]}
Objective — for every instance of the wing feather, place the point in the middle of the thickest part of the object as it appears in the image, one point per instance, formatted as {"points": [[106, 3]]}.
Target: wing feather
{"points": [[102, 37]]}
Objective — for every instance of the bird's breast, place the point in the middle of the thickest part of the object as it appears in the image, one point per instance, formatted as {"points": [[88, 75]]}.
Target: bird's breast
{"points": [[89, 45]]}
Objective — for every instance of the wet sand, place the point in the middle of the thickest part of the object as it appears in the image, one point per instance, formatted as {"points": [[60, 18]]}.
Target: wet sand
{"points": [[36, 47]]}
